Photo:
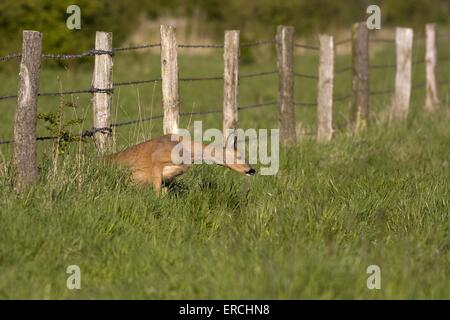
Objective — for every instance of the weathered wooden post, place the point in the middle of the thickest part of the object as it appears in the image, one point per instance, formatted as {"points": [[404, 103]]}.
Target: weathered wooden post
{"points": [[169, 75], [285, 63], [230, 82], [432, 98], [103, 73], [25, 149], [360, 82], [403, 49], [325, 89]]}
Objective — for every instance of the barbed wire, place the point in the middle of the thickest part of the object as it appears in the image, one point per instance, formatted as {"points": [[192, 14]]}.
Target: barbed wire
{"points": [[91, 132], [61, 93], [8, 97], [201, 78], [10, 56], [6, 142], [135, 82], [257, 43], [66, 136], [305, 104], [220, 46], [126, 123], [241, 76], [188, 79], [381, 92], [306, 46], [342, 70], [129, 83], [420, 85], [419, 61], [94, 52], [257, 74], [342, 98], [342, 42], [90, 53], [90, 90], [137, 47], [203, 46], [382, 66], [258, 105], [305, 76], [383, 40], [193, 113]]}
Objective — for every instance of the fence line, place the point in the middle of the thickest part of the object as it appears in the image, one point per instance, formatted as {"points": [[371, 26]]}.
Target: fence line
{"points": [[104, 86], [127, 83], [342, 70], [138, 47], [90, 132], [11, 56], [305, 76], [306, 46], [342, 42], [135, 82], [251, 106]]}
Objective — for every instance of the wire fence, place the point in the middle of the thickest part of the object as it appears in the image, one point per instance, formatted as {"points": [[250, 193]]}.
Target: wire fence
{"points": [[91, 132], [90, 53]]}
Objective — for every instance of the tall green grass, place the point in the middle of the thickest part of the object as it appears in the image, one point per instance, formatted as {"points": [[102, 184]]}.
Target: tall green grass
{"points": [[380, 197]]}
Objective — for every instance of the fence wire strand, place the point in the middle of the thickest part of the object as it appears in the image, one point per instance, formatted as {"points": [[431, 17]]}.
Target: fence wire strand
{"points": [[305, 76], [201, 46], [305, 104], [93, 52], [89, 53], [342, 42], [257, 74], [137, 47], [342, 70], [382, 40], [306, 46], [257, 43], [10, 56]]}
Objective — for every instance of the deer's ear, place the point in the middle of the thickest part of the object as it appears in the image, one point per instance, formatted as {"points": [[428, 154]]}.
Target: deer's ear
{"points": [[235, 142]]}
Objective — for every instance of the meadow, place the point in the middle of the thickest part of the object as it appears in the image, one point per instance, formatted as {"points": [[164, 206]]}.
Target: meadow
{"points": [[380, 197]]}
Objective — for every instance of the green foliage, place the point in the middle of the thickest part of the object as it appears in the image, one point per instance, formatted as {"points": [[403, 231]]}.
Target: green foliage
{"points": [[58, 127], [309, 232], [50, 17], [255, 19]]}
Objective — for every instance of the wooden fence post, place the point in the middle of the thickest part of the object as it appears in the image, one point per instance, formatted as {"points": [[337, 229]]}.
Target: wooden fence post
{"points": [[103, 73], [169, 75], [403, 49], [325, 89], [432, 99], [285, 63], [25, 149], [360, 82], [230, 82]]}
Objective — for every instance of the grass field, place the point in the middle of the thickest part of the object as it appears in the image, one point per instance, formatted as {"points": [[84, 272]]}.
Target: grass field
{"points": [[377, 198]]}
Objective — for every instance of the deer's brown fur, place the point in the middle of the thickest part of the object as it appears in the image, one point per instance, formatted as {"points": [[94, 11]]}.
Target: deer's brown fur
{"points": [[151, 161]]}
